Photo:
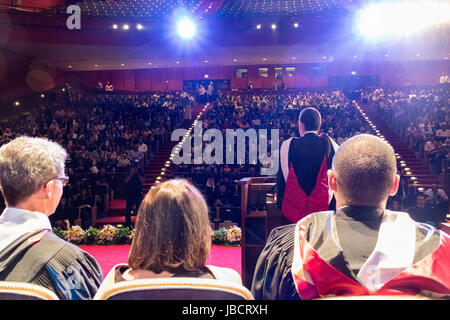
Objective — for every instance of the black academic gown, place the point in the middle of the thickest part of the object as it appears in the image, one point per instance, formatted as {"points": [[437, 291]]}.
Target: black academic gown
{"points": [[42, 258], [273, 279]]}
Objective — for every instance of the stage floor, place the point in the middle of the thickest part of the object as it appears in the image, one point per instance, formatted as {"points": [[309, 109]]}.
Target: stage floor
{"points": [[108, 256]]}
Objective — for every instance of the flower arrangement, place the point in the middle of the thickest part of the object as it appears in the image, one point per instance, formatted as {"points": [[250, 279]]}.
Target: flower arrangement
{"points": [[234, 236], [110, 234], [107, 235], [219, 236], [75, 235]]}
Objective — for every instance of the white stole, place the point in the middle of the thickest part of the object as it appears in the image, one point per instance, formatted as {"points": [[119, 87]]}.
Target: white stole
{"points": [[393, 253]]}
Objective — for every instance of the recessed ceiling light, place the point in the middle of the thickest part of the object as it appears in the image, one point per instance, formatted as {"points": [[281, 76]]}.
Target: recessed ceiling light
{"points": [[296, 25], [139, 26], [258, 26], [273, 26], [126, 27], [115, 26]]}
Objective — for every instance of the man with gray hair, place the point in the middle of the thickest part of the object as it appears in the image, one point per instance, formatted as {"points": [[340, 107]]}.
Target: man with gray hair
{"points": [[361, 248], [31, 181]]}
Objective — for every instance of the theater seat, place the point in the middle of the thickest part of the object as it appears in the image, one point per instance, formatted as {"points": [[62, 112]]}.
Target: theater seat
{"points": [[24, 291], [175, 289]]}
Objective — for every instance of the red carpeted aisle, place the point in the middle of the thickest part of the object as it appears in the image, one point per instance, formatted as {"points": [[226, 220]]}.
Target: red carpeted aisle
{"points": [[108, 256]]}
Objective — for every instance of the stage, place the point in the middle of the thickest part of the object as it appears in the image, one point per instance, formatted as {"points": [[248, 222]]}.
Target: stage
{"points": [[108, 256]]}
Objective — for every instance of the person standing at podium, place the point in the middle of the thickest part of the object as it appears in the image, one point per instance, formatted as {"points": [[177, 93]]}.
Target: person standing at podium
{"points": [[302, 186]]}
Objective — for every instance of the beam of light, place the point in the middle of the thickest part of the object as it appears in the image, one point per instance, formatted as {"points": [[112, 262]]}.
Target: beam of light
{"points": [[401, 18]]}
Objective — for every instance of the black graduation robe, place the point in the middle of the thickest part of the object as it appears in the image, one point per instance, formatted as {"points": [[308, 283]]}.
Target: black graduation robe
{"points": [[44, 259], [273, 278]]}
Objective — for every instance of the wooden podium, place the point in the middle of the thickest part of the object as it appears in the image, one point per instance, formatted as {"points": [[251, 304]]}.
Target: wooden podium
{"points": [[259, 215]]}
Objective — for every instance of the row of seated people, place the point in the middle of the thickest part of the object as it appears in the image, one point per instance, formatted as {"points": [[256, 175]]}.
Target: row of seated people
{"points": [[295, 263], [421, 117]]}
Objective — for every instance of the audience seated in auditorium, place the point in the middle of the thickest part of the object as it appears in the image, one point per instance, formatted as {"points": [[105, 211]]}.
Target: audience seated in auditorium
{"points": [[420, 116], [172, 239], [362, 248], [32, 180], [100, 133], [267, 110]]}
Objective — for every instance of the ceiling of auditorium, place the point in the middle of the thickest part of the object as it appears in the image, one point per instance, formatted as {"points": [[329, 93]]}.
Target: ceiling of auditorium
{"points": [[227, 35], [217, 8]]}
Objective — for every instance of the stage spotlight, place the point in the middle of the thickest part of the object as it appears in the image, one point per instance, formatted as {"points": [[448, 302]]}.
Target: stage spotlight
{"points": [[258, 26], [126, 27], [186, 28], [17, 103], [400, 19], [139, 26], [115, 27], [296, 25], [273, 26]]}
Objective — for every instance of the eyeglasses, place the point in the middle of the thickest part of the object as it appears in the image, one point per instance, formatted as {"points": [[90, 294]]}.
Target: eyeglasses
{"points": [[64, 180]]}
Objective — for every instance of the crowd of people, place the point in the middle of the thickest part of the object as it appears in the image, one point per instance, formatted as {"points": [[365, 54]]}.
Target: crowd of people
{"points": [[265, 110], [172, 238], [92, 135], [421, 117], [104, 135]]}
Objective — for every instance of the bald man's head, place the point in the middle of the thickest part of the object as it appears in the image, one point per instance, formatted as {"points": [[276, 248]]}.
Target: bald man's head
{"points": [[365, 169]]}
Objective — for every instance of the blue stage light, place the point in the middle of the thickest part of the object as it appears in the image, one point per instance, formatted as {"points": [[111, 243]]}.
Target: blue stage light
{"points": [[186, 28]]}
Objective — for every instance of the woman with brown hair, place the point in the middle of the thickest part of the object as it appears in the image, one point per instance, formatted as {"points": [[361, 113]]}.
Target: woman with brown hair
{"points": [[172, 239]]}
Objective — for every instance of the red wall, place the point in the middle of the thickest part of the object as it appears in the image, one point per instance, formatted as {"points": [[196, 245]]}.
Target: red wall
{"points": [[311, 75], [20, 75]]}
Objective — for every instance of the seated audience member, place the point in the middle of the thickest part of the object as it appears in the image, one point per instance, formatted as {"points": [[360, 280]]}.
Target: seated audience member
{"points": [[31, 181], [173, 238], [360, 249], [438, 199], [423, 211]]}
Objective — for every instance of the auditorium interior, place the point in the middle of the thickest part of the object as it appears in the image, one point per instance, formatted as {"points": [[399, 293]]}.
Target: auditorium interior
{"points": [[114, 82]]}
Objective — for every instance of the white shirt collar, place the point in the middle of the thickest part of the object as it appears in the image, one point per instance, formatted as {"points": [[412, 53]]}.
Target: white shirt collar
{"points": [[15, 222]]}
